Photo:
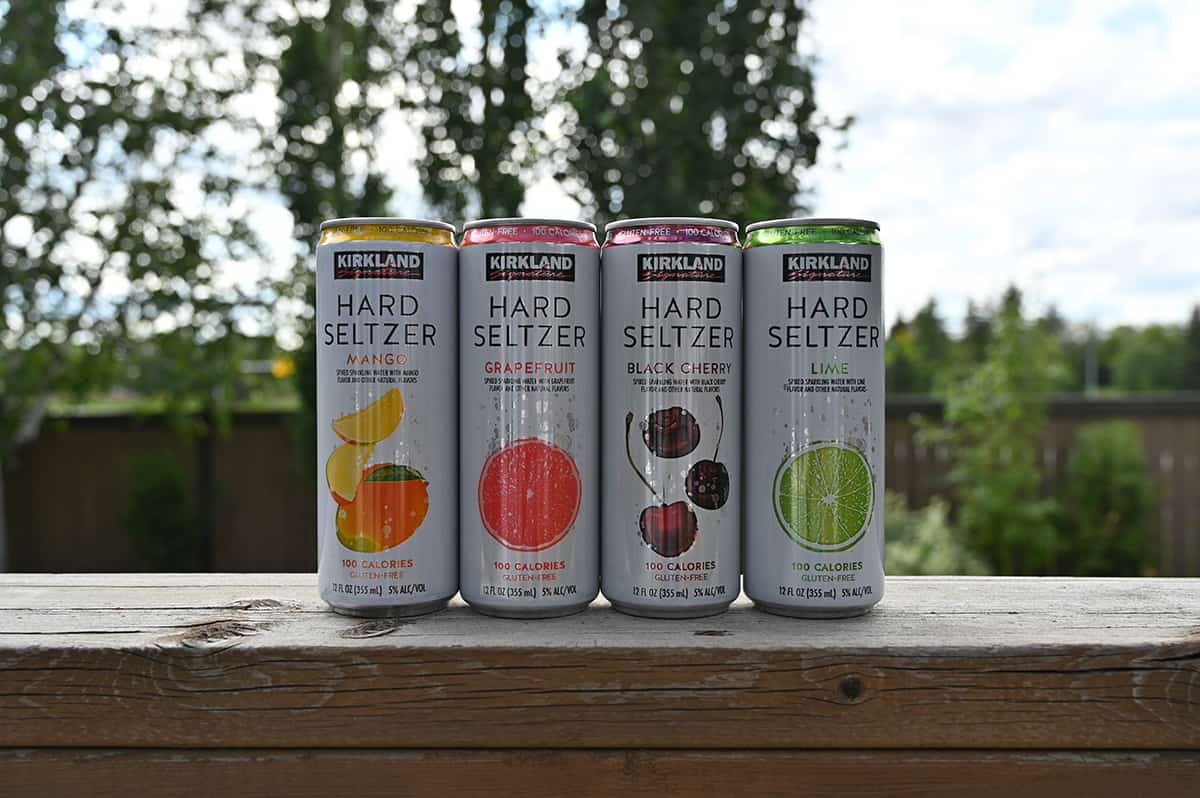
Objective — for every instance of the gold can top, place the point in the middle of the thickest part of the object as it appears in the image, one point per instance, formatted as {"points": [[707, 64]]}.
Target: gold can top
{"points": [[381, 228]]}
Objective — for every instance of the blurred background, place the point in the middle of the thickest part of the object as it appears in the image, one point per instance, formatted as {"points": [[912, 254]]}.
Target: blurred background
{"points": [[164, 165]]}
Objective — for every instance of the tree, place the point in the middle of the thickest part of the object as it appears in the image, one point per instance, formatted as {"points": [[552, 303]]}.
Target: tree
{"points": [[1109, 501], [486, 124], [991, 423], [1191, 352], [336, 82], [903, 372], [120, 213], [1077, 350], [977, 333], [346, 67], [1151, 358], [475, 118], [935, 344], [689, 108]]}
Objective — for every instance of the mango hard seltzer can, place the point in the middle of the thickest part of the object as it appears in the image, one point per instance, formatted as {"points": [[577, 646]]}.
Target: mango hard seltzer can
{"points": [[387, 430], [529, 372], [672, 416], [814, 417]]}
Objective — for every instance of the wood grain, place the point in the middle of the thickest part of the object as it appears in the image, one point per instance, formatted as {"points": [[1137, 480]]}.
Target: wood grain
{"points": [[256, 662], [487, 774]]}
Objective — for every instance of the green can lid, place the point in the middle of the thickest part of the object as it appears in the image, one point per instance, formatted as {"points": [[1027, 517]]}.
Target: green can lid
{"points": [[814, 221]]}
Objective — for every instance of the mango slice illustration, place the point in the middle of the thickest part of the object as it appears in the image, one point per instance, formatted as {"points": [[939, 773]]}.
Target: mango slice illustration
{"points": [[374, 422], [344, 468]]}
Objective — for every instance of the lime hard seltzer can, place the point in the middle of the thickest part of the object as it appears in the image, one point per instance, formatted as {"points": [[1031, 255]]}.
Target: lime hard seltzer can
{"points": [[814, 394]]}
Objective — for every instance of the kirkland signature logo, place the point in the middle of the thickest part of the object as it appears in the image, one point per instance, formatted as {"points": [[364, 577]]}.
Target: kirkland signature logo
{"points": [[697, 268], [367, 264], [530, 266], [821, 266]]}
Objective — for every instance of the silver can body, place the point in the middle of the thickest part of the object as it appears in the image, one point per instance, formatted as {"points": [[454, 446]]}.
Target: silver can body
{"points": [[529, 380], [387, 442], [814, 514], [671, 425]]}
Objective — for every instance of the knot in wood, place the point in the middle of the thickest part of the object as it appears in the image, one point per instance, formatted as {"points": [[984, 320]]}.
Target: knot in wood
{"points": [[851, 688]]}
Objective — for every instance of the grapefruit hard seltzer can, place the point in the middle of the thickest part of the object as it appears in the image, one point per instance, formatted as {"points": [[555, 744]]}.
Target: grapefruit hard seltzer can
{"points": [[387, 443], [814, 416], [529, 378], [672, 416]]}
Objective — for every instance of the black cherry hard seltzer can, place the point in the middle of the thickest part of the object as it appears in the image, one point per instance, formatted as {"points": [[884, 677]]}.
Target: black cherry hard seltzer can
{"points": [[672, 416]]}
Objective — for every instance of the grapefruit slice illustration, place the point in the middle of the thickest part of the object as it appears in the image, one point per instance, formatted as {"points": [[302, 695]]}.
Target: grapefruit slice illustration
{"points": [[529, 494]]}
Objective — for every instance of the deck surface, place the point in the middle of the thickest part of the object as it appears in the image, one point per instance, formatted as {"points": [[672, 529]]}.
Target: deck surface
{"points": [[986, 683]]}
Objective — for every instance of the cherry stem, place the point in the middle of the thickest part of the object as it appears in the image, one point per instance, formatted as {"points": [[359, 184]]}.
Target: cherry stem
{"points": [[629, 457], [721, 432]]}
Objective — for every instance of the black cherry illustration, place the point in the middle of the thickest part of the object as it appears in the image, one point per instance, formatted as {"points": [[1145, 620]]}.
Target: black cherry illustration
{"points": [[668, 529], [671, 432], [707, 482]]}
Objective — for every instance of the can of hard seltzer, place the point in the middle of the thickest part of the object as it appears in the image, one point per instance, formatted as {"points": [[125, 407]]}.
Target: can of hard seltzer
{"points": [[529, 375], [814, 417], [387, 442], [672, 416]]}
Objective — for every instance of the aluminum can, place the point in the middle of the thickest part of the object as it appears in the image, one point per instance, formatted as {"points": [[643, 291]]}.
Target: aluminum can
{"points": [[529, 369], [814, 417], [387, 432], [672, 416]]}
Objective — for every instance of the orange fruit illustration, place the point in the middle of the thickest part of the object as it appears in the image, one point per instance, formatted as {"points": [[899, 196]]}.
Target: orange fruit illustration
{"points": [[391, 503], [529, 494]]}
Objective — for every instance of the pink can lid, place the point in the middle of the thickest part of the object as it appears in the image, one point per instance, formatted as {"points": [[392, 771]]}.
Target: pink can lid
{"points": [[671, 229], [521, 230]]}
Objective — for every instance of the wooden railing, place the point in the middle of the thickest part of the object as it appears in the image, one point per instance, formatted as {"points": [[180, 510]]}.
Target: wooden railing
{"points": [[246, 685]]}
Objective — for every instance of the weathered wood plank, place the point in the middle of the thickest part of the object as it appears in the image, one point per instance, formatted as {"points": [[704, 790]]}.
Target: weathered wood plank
{"points": [[257, 663], [487, 774]]}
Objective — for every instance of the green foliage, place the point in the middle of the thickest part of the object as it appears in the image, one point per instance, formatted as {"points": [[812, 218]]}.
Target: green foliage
{"points": [[162, 518], [1109, 498], [119, 212], [1147, 359], [924, 543], [1190, 372], [335, 80], [918, 353], [475, 116], [992, 421], [304, 429], [690, 108], [716, 130], [338, 80], [922, 356]]}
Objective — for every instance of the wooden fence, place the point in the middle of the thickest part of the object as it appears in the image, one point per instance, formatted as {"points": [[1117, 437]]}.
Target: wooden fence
{"points": [[67, 491], [1170, 426]]}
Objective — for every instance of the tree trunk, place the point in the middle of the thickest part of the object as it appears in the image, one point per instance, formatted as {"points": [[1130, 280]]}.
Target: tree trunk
{"points": [[3, 526], [204, 491]]}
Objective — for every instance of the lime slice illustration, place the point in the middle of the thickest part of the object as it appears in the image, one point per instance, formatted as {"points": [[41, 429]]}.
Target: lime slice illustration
{"points": [[824, 496]]}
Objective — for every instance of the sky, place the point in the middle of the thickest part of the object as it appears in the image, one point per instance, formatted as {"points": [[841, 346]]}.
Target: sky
{"points": [[1053, 144]]}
